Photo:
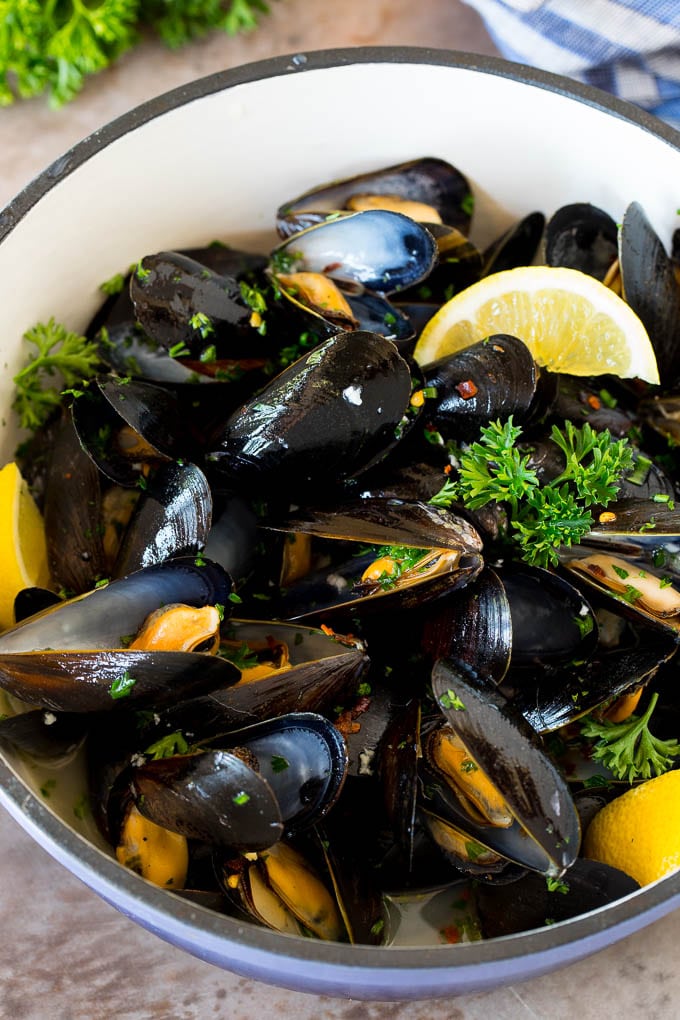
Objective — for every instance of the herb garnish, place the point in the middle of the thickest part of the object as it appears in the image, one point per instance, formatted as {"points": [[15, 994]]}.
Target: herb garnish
{"points": [[167, 746], [541, 517], [122, 687], [59, 352], [628, 749]]}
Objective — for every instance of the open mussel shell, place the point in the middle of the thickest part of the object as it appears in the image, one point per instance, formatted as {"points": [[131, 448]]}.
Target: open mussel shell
{"points": [[495, 378], [125, 424], [637, 589], [645, 531], [385, 522], [71, 657], [100, 618], [384, 251], [451, 556], [651, 289], [86, 681], [462, 843], [551, 619], [529, 903], [430, 181], [507, 749], [552, 697], [210, 795], [72, 513], [172, 518], [319, 674], [326, 417], [285, 891], [581, 236], [303, 758], [516, 247]]}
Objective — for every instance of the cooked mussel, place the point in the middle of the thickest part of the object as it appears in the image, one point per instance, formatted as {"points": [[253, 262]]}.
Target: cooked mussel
{"points": [[493, 379], [73, 657], [326, 417], [440, 552], [384, 251], [431, 183], [500, 742]]}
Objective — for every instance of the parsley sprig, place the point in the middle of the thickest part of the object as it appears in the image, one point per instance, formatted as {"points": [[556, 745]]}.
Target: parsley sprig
{"points": [[52, 47], [541, 518], [628, 749], [59, 352]]}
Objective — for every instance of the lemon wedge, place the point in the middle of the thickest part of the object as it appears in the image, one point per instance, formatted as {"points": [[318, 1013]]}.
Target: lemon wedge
{"points": [[569, 321], [639, 832], [23, 551]]}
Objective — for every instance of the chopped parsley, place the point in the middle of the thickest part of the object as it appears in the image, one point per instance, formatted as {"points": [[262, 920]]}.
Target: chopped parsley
{"points": [[122, 687]]}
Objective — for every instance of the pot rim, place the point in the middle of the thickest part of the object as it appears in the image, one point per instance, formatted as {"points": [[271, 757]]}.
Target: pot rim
{"points": [[364, 971]]}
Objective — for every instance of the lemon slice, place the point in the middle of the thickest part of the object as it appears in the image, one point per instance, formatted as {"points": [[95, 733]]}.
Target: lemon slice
{"points": [[639, 832], [23, 551], [569, 321]]}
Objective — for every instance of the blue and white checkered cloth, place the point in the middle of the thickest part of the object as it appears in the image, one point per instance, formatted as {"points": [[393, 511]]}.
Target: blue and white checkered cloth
{"points": [[628, 47]]}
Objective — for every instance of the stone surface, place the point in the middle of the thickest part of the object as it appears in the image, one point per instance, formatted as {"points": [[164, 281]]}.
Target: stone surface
{"points": [[64, 953]]}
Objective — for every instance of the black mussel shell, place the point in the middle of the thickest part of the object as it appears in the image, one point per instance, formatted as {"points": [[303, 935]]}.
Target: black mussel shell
{"points": [[375, 314], [326, 417], [581, 236], [170, 290], [473, 625], [385, 522], [100, 618], [651, 289], [428, 180], [530, 903], [551, 620], [45, 734], [213, 796], [302, 756], [495, 378], [552, 697], [172, 518], [384, 251], [507, 749], [88, 681], [72, 513], [398, 756], [516, 246]]}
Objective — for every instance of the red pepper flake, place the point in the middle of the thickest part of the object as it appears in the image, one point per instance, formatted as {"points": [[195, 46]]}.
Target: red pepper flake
{"points": [[467, 389], [331, 266], [594, 402], [450, 934], [447, 469], [596, 569]]}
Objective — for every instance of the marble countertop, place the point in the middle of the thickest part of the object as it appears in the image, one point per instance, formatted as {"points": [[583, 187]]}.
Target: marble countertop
{"points": [[64, 953]]}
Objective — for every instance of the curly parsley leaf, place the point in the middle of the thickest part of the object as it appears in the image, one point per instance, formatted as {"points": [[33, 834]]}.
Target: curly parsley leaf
{"points": [[52, 47], [59, 353], [628, 749], [541, 518]]}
